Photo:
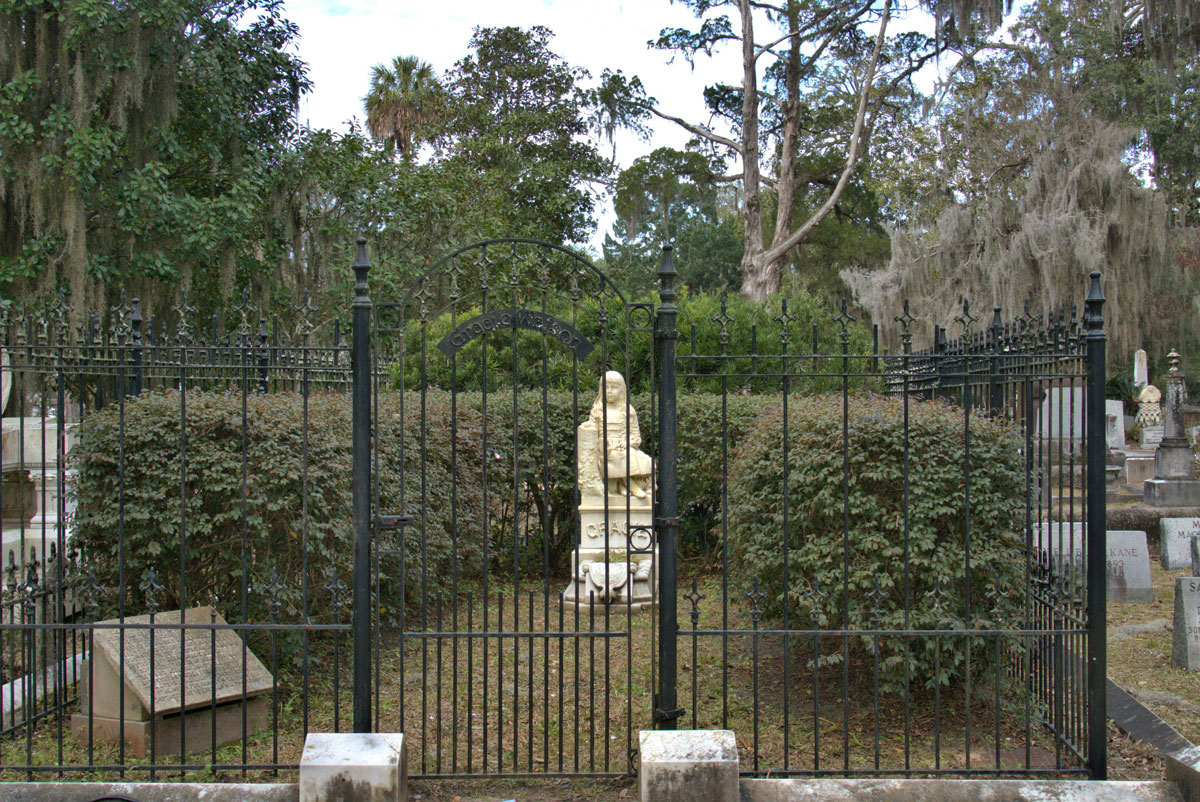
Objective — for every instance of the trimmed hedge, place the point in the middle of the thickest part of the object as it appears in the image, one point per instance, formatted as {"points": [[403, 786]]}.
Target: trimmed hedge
{"points": [[275, 515], [876, 535], [145, 501]]}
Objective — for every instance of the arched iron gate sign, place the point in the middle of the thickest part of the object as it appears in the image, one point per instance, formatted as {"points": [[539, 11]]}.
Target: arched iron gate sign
{"points": [[479, 375]]}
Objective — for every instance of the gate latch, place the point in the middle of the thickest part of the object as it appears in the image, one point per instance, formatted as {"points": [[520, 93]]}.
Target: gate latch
{"points": [[661, 715], [390, 522], [668, 715]]}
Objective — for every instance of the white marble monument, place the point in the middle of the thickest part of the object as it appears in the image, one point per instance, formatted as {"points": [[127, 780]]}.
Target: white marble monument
{"points": [[616, 557], [1141, 370], [1174, 483], [1150, 416]]}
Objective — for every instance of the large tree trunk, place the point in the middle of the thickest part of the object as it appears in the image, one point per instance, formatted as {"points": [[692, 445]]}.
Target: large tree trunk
{"points": [[785, 187], [752, 286]]}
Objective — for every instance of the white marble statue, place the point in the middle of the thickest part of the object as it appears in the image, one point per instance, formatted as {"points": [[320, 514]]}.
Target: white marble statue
{"points": [[614, 455], [615, 556]]}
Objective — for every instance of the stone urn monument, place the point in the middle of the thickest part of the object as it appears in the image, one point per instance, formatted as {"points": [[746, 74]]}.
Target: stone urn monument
{"points": [[615, 560]]}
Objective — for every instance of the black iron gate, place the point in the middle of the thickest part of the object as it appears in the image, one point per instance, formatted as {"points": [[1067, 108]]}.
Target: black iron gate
{"points": [[479, 376]]}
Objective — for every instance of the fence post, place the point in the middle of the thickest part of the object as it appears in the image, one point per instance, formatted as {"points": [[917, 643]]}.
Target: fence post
{"points": [[135, 351], [995, 387], [360, 366], [1097, 526], [666, 519], [940, 348], [264, 343]]}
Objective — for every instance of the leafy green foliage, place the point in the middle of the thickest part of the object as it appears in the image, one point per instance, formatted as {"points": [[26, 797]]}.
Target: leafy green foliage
{"points": [[142, 148], [517, 116], [905, 540], [749, 328], [266, 496]]}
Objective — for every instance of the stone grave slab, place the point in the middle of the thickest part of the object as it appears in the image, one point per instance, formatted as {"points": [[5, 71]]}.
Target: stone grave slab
{"points": [[1061, 414], [1185, 639], [1128, 567], [171, 694], [1114, 412], [1176, 535], [1128, 556]]}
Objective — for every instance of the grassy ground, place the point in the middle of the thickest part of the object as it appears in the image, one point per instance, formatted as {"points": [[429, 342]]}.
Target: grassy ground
{"points": [[555, 694], [1139, 656]]}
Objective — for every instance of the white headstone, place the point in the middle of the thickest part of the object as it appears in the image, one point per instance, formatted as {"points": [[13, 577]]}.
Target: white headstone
{"points": [[1114, 411], [1176, 535], [1128, 567], [1062, 414], [1185, 639], [1141, 370], [1059, 537]]}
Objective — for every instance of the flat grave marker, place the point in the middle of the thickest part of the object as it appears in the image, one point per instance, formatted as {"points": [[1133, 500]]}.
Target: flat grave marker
{"points": [[171, 693]]}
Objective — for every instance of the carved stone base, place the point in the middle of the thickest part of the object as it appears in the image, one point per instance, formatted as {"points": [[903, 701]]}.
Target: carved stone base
{"points": [[616, 562]]}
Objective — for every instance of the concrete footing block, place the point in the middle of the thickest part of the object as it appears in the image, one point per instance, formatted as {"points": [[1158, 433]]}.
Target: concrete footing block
{"points": [[688, 765], [353, 767], [1183, 769]]}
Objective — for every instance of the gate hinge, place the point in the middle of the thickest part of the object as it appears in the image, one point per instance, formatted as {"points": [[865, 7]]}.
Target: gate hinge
{"points": [[667, 334], [661, 522], [387, 522]]}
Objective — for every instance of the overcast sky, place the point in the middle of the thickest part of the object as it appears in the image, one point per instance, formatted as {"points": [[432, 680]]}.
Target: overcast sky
{"points": [[342, 39]]}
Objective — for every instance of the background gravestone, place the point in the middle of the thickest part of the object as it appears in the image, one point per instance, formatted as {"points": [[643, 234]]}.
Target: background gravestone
{"points": [[1128, 567], [1185, 639], [1176, 535]]}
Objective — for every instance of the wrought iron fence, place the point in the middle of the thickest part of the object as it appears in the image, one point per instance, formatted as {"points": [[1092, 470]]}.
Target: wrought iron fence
{"points": [[870, 565], [911, 583], [129, 497]]}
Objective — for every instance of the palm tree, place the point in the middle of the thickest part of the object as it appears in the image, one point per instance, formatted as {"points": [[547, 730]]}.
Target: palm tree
{"points": [[404, 103]]}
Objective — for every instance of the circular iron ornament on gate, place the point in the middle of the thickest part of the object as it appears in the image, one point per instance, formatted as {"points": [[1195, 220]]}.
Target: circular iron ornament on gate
{"points": [[639, 540]]}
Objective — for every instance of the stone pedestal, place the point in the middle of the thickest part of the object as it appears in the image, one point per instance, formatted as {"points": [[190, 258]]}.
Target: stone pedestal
{"points": [[31, 487], [1172, 493], [353, 766], [1151, 437], [616, 561], [687, 766]]}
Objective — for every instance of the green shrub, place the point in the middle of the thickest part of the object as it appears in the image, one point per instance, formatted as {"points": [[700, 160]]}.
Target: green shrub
{"points": [[145, 502], [936, 547]]}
